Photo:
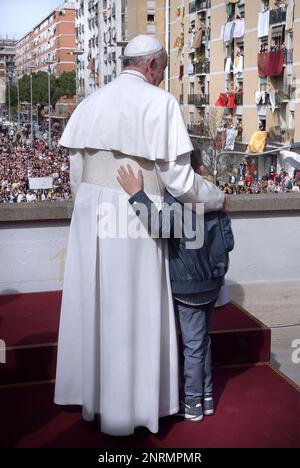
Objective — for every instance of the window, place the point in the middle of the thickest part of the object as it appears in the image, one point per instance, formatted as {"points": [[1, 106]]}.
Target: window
{"points": [[150, 18]]}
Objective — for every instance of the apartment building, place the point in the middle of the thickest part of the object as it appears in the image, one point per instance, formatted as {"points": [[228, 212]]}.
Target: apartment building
{"points": [[49, 44], [238, 55], [98, 29], [7, 64], [103, 28]]}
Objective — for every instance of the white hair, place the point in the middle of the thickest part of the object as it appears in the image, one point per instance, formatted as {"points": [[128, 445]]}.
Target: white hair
{"points": [[141, 61]]}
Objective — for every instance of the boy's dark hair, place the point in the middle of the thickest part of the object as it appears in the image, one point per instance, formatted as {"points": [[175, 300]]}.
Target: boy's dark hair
{"points": [[196, 159]]}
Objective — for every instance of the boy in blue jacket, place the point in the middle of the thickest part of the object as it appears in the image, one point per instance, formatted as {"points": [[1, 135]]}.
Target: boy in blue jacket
{"points": [[196, 278]]}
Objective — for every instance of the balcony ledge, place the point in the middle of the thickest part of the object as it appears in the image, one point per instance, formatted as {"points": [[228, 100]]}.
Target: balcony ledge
{"points": [[55, 211]]}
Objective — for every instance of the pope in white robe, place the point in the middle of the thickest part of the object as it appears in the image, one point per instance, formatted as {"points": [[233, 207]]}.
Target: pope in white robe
{"points": [[117, 349]]}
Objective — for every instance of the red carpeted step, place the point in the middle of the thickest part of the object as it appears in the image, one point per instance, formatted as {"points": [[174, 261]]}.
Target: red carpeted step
{"points": [[255, 407], [29, 326]]}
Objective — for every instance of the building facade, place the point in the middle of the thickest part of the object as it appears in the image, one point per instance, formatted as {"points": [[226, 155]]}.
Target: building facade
{"points": [[7, 65], [239, 55], [103, 28], [49, 44]]}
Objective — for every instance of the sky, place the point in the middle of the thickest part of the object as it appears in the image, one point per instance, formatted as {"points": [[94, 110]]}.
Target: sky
{"points": [[18, 17]]}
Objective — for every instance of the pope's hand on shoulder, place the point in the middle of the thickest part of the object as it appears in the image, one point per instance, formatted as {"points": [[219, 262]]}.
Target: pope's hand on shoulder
{"points": [[130, 183]]}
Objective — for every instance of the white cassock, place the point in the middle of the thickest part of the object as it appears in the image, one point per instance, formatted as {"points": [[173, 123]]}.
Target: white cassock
{"points": [[117, 350]]}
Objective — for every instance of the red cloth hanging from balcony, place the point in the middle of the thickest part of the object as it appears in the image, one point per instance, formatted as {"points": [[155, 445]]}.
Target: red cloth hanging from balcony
{"points": [[222, 101], [270, 63], [276, 60], [231, 101], [263, 64]]}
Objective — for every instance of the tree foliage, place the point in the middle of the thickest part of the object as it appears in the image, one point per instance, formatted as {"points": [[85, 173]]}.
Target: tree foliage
{"points": [[63, 85]]}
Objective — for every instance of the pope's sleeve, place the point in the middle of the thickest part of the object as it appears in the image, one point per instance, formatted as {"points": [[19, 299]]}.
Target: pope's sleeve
{"points": [[76, 171], [188, 187]]}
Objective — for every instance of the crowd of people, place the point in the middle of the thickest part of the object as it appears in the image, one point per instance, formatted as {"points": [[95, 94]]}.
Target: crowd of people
{"points": [[22, 159], [273, 182]]}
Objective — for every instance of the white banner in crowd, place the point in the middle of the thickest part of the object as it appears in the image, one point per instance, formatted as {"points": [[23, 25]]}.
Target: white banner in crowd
{"points": [[37, 183]]}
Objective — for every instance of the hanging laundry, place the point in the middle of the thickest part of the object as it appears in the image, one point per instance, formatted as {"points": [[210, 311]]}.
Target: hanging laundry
{"points": [[263, 24], [199, 36], [230, 138], [258, 142], [276, 61], [192, 33], [179, 43], [290, 15], [222, 100], [181, 71], [272, 97], [239, 28], [228, 65], [198, 39], [260, 97], [238, 66], [228, 31], [190, 69], [207, 37], [263, 64], [231, 101]]}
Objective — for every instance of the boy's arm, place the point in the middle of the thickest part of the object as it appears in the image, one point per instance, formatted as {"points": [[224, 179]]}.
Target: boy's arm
{"points": [[157, 224]]}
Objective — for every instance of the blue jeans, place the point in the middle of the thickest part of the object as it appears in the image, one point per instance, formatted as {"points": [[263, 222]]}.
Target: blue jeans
{"points": [[194, 323]]}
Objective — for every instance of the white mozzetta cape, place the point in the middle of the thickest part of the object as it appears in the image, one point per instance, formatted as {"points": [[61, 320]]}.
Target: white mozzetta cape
{"points": [[132, 106]]}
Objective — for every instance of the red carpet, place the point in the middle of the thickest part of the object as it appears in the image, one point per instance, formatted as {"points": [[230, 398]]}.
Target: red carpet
{"points": [[256, 407], [29, 326]]}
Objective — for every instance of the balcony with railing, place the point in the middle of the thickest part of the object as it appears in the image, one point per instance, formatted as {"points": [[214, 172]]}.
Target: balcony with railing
{"points": [[202, 68], [282, 95], [277, 16], [198, 100], [198, 130]]}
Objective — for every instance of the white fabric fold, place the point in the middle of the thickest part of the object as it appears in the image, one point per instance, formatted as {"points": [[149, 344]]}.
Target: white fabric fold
{"points": [[239, 28], [228, 65], [272, 96], [230, 138], [238, 66], [183, 183], [122, 116], [76, 171], [228, 31], [263, 24]]}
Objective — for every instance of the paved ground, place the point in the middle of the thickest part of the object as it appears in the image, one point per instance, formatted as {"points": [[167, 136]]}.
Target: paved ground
{"points": [[278, 306]]}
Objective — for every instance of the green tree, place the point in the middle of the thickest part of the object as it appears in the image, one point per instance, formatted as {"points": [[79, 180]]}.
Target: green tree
{"points": [[64, 85]]}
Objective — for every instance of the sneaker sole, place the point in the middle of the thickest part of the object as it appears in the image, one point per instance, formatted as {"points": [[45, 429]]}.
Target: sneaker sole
{"points": [[190, 418], [208, 412]]}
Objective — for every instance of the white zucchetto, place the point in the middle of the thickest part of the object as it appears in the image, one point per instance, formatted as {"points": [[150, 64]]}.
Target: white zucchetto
{"points": [[142, 45]]}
